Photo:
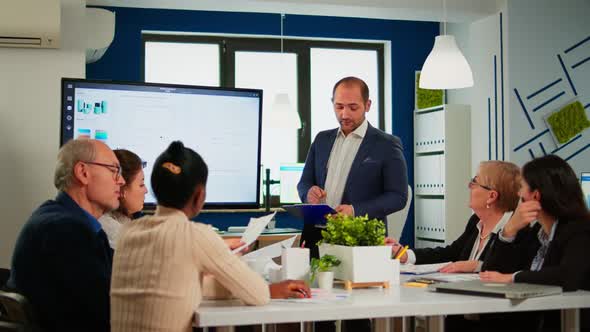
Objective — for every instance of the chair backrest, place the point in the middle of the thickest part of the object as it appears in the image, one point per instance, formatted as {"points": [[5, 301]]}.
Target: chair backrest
{"points": [[16, 314], [4, 275], [397, 220]]}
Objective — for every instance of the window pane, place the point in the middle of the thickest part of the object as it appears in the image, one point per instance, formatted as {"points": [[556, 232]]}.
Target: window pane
{"points": [[274, 73], [330, 65], [182, 63]]}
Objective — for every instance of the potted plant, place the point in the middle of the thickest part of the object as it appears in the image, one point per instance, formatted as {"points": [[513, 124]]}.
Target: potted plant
{"points": [[359, 244], [322, 268]]}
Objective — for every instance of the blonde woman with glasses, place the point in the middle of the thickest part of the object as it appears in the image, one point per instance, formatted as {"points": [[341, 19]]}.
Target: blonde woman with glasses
{"points": [[493, 197]]}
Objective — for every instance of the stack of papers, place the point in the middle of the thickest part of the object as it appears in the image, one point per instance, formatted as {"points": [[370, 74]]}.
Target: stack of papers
{"points": [[421, 268], [271, 251], [448, 277], [319, 296], [253, 231]]}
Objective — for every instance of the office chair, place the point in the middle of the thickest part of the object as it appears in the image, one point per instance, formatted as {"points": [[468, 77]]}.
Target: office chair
{"points": [[16, 314], [397, 220], [4, 275]]}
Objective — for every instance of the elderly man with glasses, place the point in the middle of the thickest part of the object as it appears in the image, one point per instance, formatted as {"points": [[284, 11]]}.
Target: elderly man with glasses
{"points": [[62, 260]]}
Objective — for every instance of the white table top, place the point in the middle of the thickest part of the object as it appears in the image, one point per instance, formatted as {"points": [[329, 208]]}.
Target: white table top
{"points": [[398, 301]]}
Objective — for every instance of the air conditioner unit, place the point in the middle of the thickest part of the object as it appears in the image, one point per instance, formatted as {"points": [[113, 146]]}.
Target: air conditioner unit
{"points": [[30, 23]]}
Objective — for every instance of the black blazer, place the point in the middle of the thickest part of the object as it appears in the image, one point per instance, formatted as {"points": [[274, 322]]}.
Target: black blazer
{"points": [[460, 249], [566, 263]]}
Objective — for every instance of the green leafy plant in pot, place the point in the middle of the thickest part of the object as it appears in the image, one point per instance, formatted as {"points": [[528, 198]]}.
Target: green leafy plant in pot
{"points": [[324, 264], [353, 231], [359, 243]]}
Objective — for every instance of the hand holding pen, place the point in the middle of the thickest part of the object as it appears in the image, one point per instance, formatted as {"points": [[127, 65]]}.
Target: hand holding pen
{"points": [[401, 254], [316, 195], [398, 251]]}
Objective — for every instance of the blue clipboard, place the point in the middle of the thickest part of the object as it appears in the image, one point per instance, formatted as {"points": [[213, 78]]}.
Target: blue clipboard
{"points": [[314, 214]]}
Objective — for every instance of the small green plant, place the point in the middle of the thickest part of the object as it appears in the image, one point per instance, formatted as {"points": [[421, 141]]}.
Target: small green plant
{"points": [[353, 231], [323, 264]]}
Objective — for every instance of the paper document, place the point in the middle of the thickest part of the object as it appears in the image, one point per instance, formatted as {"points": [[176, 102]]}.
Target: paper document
{"points": [[255, 228], [272, 251], [421, 268], [318, 296], [448, 277]]}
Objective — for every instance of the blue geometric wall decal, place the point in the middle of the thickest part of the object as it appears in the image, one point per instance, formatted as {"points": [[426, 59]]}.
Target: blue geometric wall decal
{"points": [[566, 144], [567, 75], [544, 88], [524, 109], [548, 101], [530, 140], [577, 152], [577, 44]]}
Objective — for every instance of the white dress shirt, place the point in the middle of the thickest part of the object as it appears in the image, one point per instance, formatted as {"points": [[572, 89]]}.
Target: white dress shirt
{"points": [[342, 156]]}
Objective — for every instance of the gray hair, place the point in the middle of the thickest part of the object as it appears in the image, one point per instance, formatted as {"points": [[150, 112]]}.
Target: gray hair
{"points": [[69, 155]]}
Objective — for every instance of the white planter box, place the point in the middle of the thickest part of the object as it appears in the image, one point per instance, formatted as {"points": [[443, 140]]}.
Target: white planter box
{"points": [[361, 264]]}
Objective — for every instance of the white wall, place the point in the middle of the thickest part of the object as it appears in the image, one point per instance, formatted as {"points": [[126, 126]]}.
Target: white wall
{"points": [[480, 42], [30, 120], [532, 39], [536, 37]]}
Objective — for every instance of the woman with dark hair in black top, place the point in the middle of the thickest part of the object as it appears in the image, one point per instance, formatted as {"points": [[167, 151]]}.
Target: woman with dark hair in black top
{"points": [[548, 237]]}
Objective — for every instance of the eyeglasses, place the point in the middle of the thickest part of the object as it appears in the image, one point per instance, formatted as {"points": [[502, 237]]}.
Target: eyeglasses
{"points": [[473, 182], [115, 169]]}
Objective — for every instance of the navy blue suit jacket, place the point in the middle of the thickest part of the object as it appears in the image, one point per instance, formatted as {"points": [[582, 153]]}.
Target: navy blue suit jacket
{"points": [[377, 184], [62, 263]]}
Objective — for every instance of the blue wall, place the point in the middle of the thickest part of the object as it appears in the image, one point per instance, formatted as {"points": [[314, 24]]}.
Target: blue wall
{"points": [[410, 44]]}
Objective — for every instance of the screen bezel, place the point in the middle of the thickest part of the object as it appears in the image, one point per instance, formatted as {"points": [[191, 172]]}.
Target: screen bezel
{"points": [[582, 175], [150, 206]]}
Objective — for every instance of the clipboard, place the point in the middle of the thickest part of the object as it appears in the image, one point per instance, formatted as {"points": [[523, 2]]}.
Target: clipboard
{"points": [[314, 214]]}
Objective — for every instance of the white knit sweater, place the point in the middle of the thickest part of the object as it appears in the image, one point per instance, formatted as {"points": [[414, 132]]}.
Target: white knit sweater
{"points": [[157, 273]]}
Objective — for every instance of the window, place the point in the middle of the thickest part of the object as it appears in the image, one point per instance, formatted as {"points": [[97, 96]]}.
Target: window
{"points": [[273, 73], [175, 63], [306, 71], [327, 67]]}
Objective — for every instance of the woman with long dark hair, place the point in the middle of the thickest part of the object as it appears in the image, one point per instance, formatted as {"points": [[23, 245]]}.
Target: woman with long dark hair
{"points": [[549, 233], [131, 197]]}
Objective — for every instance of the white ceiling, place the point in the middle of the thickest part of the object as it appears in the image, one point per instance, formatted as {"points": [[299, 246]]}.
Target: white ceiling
{"points": [[421, 10]]}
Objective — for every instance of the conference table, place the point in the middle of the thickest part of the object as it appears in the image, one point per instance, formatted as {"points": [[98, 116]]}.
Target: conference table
{"points": [[383, 305]]}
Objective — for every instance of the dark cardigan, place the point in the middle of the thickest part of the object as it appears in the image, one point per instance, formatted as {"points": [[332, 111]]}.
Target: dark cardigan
{"points": [[62, 264]]}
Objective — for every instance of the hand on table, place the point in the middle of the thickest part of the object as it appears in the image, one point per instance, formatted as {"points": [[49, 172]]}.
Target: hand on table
{"points": [[459, 267], [289, 289], [493, 276]]}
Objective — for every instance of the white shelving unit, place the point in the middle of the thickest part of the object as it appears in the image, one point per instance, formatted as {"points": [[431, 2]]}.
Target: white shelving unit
{"points": [[442, 159]]}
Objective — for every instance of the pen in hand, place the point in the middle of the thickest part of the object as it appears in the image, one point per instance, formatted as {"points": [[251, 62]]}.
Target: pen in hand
{"points": [[401, 252]]}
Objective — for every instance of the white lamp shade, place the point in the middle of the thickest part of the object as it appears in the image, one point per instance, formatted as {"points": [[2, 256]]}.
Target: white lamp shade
{"points": [[282, 115], [445, 67]]}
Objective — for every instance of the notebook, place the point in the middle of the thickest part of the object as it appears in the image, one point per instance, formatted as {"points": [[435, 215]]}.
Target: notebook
{"points": [[509, 291]]}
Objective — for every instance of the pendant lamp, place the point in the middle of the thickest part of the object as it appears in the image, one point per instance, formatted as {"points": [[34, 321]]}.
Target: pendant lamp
{"points": [[445, 67]]}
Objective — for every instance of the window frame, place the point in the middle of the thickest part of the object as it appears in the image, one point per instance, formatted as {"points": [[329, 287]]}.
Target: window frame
{"points": [[228, 45]]}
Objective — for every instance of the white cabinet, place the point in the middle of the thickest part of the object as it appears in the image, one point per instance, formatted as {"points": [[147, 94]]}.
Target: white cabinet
{"points": [[442, 159]]}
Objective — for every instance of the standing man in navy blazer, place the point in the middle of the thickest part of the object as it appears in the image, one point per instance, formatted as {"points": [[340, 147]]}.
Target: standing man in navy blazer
{"points": [[356, 169]]}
